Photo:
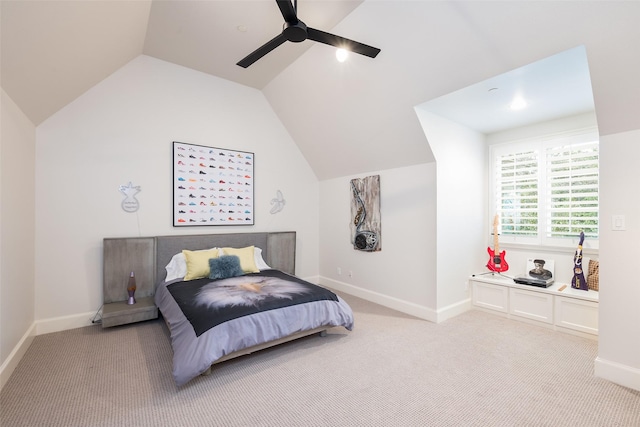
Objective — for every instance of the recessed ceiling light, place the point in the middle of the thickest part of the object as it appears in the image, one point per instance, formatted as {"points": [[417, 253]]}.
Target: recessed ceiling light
{"points": [[518, 103]]}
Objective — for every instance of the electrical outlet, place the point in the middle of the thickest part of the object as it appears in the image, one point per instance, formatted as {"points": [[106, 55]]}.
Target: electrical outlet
{"points": [[339, 271]]}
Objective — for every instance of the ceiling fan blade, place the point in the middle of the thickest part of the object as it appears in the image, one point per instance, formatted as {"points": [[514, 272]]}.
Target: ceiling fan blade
{"points": [[288, 11], [341, 42], [262, 50]]}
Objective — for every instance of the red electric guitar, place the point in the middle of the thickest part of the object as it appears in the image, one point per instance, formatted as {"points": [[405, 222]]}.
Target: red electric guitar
{"points": [[496, 258]]}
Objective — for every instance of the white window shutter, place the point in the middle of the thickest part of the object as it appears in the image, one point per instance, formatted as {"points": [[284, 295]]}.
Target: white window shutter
{"points": [[572, 190], [517, 193]]}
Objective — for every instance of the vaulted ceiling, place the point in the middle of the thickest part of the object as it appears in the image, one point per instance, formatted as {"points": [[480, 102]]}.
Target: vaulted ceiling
{"points": [[347, 118]]}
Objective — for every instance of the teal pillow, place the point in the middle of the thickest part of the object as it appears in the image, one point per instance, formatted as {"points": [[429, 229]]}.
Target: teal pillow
{"points": [[225, 266]]}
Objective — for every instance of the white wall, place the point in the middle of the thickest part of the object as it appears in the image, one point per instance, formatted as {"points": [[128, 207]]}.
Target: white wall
{"points": [[121, 131], [461, 159], [17, 186], [399, 276], [619, 342]]}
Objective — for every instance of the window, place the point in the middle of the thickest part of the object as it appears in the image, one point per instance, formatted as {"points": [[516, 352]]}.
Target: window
{"points": [[546, 190]]}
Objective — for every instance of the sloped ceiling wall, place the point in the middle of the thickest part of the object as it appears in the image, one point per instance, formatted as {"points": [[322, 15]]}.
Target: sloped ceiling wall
{"points": [[346, 118], [54, 51], [360, 117]]}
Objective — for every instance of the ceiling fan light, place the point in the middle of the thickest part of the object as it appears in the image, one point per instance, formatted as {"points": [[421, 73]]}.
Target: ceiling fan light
{"points": [[341, 54]]}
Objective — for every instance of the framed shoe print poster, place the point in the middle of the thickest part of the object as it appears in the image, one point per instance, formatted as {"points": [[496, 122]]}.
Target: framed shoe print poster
{"points": [[212, 186]]}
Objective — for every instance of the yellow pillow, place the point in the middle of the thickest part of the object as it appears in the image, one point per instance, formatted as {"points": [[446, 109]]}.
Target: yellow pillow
{"points": [[247, 260], [198, 263]]}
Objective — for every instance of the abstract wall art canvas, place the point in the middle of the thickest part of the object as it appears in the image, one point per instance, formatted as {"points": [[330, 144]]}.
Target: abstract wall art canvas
{"points": [[365, 214]]}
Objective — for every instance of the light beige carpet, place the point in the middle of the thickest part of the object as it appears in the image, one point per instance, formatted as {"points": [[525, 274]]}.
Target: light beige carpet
{"points": [[392, 370]]}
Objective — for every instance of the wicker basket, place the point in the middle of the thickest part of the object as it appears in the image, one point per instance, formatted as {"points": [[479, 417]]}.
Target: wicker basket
{"points": [[593, 278]]}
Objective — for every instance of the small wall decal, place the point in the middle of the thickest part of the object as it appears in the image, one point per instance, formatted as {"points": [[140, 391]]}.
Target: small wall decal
{"points": [[130, 203], [277, 203]]}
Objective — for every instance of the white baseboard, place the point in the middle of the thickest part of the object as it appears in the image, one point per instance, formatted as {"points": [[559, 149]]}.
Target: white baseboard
{"points": [[16, 355], [385, 300], [454, 310], [623, 375], [63, 323], [41, 327]]}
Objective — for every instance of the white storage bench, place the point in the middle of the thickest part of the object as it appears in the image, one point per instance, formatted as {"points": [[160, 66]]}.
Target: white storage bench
{"points": [[570, 310]]}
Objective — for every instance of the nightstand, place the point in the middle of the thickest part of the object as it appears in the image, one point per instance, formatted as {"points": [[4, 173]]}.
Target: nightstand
{"points": [[121, 313], [121, 257]]}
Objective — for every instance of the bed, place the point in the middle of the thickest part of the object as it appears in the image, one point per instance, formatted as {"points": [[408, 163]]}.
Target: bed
{"points": [[250, 299]]}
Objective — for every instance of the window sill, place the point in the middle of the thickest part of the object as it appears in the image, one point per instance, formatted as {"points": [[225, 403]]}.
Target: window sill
{"points": [[586, 251]]}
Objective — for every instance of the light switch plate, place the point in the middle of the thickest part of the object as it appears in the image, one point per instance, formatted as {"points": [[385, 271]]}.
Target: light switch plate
{"points": [[618, 223]]}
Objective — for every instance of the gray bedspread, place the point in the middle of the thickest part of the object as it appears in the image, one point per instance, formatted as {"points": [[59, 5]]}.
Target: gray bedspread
{"points": [[193, 355]]}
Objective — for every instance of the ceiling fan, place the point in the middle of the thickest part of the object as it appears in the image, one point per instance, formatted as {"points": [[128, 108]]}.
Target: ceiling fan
{"points": [[296, 31]]}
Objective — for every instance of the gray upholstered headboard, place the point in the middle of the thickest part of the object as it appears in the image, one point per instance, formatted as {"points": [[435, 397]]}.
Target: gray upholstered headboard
{"points": [[278, 248]]}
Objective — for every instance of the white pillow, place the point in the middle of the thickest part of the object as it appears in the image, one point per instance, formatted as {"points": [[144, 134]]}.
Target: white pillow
{"points": [[257, 255], [177, 267]]}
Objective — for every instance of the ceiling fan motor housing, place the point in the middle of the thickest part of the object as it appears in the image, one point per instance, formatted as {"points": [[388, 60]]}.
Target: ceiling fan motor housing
{"points": [[295, 32]]}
